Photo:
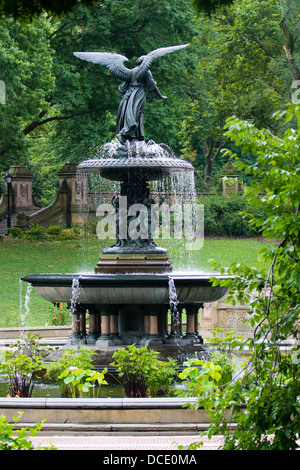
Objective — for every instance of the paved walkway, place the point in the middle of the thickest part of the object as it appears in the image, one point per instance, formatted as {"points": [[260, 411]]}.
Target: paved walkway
{"points": [[124, 443]]}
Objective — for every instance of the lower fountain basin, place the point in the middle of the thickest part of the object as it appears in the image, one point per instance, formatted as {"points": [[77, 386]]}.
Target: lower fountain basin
{"points": [[98, 289]]}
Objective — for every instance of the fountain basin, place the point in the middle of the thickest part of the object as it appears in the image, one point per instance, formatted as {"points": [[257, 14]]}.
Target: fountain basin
{"points": [[97, 289], [141, 160]]}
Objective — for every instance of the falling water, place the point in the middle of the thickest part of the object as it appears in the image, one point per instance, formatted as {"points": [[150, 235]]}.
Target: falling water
{"points": [[75, 294], [175, 320], [24, 314], [21, 299]]}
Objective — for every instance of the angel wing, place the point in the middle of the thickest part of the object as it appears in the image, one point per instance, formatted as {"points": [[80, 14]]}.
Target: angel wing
{"points": [[149, 58], [114, 62]]}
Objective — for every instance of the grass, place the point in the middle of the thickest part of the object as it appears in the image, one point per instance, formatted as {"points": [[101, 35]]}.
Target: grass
{"points": [[20, 258]]}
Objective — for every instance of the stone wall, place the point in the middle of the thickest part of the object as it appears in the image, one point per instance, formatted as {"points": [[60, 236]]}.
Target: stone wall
{"points": [[224, 315]]}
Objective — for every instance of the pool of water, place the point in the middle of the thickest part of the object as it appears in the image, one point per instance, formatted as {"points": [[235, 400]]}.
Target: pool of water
{"points": [[51, 390]]}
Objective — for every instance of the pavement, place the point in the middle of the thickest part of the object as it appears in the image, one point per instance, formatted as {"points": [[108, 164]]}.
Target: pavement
{"points": [[125, 443]]}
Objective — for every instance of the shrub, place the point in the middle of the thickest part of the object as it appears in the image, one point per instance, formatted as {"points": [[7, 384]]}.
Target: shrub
{"points": [[54, 231], [80, 358], [22, 366], [16, 232], [59, 315], [228, 216], [141, 372], [36, 232]]}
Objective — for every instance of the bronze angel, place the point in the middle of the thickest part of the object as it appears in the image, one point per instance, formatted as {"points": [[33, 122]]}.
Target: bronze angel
{"points": [[135, 84]]}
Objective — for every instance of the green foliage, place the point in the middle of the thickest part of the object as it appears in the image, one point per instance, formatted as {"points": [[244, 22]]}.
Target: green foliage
{"points": [[200, 378], [225, 341], [19, 439], [142, 372], [26, 10], [16, 232], [23, 363], [38, 232], [26, 70], [229, 216], [80, 358], [264, 403], [82, 381], [248, 58], [210, 6], [206, 378], [59, 315]]}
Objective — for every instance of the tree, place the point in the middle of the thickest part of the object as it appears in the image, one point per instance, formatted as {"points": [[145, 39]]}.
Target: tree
{"points": [[26, 70], [26, 10], [248, 61], [78, 102], [210, 6], [269, 389]]}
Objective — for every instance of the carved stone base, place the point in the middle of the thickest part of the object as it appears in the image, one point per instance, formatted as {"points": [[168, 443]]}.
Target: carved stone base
{"points": [[133, 263]]}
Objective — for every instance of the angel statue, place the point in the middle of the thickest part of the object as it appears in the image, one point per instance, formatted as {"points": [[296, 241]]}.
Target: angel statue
{"points": [[135, 84]]}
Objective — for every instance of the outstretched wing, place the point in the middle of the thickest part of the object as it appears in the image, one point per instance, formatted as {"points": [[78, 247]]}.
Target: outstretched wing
{"points": [[149, 58], [114, 62]]}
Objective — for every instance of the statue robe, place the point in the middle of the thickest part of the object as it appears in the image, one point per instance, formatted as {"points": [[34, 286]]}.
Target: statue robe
{"points": [[130, 124]]}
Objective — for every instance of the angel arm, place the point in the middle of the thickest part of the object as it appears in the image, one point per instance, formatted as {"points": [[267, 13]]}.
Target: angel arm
{"points": [[152, 87], [114, 62], [158, 93]]}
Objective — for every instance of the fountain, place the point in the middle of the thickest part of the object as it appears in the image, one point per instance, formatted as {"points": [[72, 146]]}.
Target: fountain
{"points": [[129, 295]]}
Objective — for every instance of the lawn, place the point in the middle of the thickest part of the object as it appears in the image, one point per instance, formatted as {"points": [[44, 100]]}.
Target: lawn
{"points": [[19, 258]]}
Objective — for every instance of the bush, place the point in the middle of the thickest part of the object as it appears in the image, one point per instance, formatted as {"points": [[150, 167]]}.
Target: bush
{"points": [[54, 231], [59, 315], [22, 366], [80, 358], [228, 216], [35, 233], [16, 232], [141, 372]]}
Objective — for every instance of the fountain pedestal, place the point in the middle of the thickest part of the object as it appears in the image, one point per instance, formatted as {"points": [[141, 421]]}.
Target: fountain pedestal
{"points": [[133, 263]]}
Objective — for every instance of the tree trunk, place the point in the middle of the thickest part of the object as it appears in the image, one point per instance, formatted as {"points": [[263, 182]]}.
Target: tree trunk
{"points": [[211, 153]]}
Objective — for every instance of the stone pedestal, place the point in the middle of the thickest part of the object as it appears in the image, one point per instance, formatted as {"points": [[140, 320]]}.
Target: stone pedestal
{"points": [[75, 185], [22, 189], [133, 263]]}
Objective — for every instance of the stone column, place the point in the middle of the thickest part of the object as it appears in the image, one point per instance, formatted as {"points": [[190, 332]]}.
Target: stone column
{"points": [[23, 199], [105, 339], [82, 321], [146, 324], [105, 325], [191, 313], [114, 326], [78, 326], [153, 325], [76, 187], [94, 325]]}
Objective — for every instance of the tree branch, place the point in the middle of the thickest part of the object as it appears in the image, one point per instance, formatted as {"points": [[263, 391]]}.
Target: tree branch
{"points": [[33, 125]]}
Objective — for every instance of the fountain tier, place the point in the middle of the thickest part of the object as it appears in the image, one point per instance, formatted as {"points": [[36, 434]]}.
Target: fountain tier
{"points": [[137, 160], [97, 289], [128, 308]]}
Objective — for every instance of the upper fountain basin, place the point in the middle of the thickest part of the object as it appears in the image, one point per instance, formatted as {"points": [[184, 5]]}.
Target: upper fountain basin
{"points": [[137, 159], [98, 289]]}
